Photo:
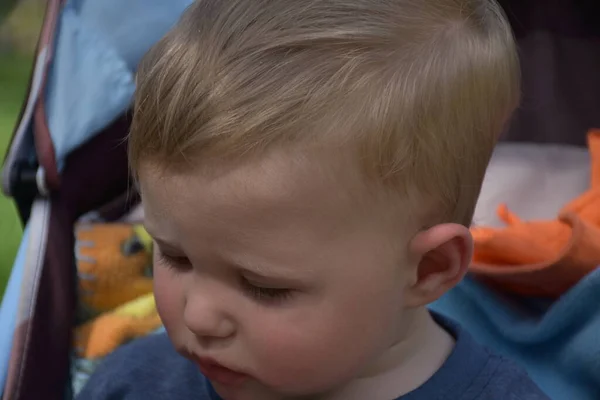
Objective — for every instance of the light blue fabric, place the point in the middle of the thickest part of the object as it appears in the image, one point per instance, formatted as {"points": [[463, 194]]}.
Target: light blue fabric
{"points": [[9, 308], [558, 345], [133, 32], [98, 46]]}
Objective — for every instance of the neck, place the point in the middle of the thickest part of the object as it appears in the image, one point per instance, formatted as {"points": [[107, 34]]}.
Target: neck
{"points": [[405, 366]]}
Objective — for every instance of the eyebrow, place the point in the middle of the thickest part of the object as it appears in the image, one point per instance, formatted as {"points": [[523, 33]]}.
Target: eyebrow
{"points": [[250, 270], [259, 272], [160, 241]]}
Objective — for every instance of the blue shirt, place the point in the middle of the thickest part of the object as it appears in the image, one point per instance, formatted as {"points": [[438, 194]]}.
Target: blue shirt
{"points": [[150, 369]]}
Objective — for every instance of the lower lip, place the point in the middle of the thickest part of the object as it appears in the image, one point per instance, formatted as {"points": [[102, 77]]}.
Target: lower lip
{"points": [[221, 375]]}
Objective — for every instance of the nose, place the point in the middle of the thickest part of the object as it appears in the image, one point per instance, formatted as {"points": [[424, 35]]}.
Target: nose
{"points": [[206, 318]]}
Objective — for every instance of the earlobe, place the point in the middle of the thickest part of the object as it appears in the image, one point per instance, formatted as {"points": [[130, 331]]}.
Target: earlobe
{"points": [[443, 255]]}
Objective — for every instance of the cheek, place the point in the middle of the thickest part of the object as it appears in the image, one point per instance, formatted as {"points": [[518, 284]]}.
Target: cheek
{"points": [[168, 299], [316, 353]]}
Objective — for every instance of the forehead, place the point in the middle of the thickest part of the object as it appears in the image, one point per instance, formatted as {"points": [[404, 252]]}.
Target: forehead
{"points": [[281, 189]]}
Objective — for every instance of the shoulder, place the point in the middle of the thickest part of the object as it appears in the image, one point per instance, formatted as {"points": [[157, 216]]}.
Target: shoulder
{"points": [[147, 368], [503, 379], [142, 358], [474, 372]]}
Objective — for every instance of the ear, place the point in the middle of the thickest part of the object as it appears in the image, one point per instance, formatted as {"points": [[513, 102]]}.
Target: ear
{"points": [[443, 255]]}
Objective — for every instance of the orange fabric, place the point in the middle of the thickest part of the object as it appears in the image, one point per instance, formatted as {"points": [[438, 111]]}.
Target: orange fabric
{"points": [[543, 258]]}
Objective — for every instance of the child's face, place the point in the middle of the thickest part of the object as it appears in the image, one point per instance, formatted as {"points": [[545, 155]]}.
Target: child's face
{"points": [[272, 270]]}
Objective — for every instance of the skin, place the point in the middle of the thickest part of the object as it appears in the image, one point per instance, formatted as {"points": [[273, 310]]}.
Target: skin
{"points": [[289, 270]]}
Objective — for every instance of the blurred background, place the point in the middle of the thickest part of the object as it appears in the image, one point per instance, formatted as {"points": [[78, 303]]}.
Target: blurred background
{"points": [[20, 22]]}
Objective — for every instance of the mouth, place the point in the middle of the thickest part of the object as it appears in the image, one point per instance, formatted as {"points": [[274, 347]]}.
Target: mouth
{"points": [[217, 373]]}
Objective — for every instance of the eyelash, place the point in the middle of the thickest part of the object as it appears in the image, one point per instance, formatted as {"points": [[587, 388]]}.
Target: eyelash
{"points": [[174, 263], [266, 295], [260, 294]]}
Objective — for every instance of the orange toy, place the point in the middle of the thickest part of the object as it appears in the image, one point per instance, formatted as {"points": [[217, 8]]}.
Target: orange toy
{"points": [[116, 299], [101, 336], [110, 267], [543, 258]]}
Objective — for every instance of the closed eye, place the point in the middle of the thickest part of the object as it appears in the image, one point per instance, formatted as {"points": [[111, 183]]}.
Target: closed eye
{"points": [[178, 263], [266, 295]]}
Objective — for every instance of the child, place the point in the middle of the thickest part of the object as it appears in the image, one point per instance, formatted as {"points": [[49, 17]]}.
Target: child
{"points": [[309, 170]]}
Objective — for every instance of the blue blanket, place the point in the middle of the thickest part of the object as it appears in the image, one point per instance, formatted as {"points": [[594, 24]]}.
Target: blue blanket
{"points": [[558, 343]]}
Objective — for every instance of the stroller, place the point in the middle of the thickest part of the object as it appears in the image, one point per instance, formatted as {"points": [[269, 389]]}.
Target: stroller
{"points": [[68, 158]]}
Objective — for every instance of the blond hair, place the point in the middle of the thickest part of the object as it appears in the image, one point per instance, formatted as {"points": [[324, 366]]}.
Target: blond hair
{"points": [[420, 89]]}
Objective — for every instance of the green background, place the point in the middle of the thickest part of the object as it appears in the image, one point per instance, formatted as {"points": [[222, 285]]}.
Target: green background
{"points": [[19, 29]]}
